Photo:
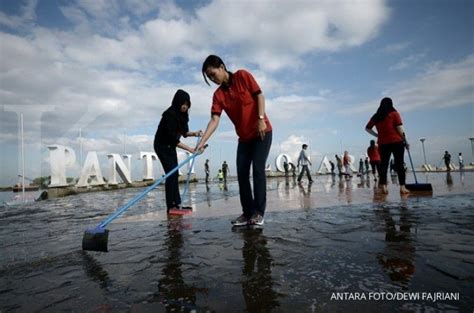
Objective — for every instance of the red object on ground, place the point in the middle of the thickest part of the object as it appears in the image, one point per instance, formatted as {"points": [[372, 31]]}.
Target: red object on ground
{"points": [[179, 212]]}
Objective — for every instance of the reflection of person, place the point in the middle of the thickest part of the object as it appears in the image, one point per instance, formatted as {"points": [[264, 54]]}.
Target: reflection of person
{"points": [[207, 170], [449, 180], [173, 125], [177, 294], [240, 96], [303, 160], [391, 139], [399, 255], [257, 282]]}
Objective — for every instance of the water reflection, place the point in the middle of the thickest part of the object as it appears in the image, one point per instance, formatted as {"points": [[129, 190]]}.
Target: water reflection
{"points": [[95, 271], [398, 257], [257, 282], [174, 292], [306, 193], [449, 181]]}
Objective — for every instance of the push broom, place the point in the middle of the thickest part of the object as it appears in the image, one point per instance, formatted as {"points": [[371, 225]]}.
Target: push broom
{"points": [[96, 239], [186, 210], [417, 186]]}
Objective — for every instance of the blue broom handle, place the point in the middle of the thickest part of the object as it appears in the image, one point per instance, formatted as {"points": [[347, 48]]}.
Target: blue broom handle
{"points": [[186, 186], [412, 167], [140, 196]]}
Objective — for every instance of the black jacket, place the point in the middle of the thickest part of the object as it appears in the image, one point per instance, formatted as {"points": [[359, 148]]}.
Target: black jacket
{"points": [[174, 123]]}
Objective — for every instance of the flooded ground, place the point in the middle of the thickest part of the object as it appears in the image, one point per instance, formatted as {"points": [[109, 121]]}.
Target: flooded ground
{"points": [[323, 248]]}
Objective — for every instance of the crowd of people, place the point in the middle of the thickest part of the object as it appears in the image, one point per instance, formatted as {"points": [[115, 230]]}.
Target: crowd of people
{"points": [[239, 95]]}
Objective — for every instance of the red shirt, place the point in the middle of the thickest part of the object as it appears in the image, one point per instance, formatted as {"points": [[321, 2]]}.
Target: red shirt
{"points": [[346, 160], [239, 101], [373, 153], [386, 129]]}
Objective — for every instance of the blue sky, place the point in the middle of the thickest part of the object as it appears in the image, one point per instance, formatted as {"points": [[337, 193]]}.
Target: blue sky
{"points": [[111, 67]]}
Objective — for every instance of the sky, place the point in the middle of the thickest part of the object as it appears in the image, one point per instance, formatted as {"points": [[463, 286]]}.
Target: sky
{"points": [[108, 69]]}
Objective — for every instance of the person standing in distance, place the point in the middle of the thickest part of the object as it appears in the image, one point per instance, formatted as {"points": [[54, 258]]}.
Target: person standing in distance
{"points": [[240, 96], [374, 156], [303, 160]]}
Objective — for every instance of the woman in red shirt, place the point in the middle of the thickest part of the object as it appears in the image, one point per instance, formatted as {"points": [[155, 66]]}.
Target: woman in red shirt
{"points": [[391, 139], [241, 98], [374, 157]]}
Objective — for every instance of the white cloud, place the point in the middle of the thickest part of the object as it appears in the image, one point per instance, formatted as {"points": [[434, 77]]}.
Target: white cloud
{"points": [[441, 86], [293, 107], [396, 47], [274, 35], [292, 146], [407, 62], [26, 18]]}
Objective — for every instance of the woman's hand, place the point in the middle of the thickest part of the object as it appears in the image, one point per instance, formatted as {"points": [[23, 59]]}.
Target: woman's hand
{"points": [[261, 128], [197, 133]]}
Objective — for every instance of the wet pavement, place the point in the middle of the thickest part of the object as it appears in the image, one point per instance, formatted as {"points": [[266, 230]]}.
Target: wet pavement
{"points": [[333, 238]]}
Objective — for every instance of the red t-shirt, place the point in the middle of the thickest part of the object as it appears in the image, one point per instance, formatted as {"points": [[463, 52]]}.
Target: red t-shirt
{"points": [[239, 101], [387, 128], [373, 153]]}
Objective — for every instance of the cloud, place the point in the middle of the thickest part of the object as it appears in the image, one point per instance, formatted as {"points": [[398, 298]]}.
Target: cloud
{"points": [[132, 33], [292, 146], [439, 86], [396, 47], [273, 36], [287, 108], [25, 19], [407, 62]]}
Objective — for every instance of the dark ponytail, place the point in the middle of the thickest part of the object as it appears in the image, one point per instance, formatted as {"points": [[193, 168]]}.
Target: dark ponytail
{"points": [[385, 108], [211, 61]]}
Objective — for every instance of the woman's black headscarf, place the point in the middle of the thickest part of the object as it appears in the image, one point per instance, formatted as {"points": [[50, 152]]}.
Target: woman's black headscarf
{"points": [[385, 108], [180, 97]]}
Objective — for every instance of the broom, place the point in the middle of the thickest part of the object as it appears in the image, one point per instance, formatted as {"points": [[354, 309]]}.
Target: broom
{"points": [[96, 239], [417, 186]]}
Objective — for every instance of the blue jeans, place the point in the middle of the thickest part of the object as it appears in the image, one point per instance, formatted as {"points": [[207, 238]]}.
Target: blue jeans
{"points": [[253, 153]]}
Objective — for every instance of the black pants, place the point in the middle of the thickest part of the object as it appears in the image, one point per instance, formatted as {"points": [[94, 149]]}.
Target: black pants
{"points": [[253, 153], [375, 167], [386, 150], [169, 160], [305, 169]]}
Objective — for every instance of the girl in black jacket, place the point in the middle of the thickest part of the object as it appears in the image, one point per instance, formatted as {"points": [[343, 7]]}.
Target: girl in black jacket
{"points": [[173, 125]]}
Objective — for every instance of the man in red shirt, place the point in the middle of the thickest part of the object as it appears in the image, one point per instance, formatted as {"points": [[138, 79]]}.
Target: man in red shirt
{"points": [[241, 98], [391, 139]]}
